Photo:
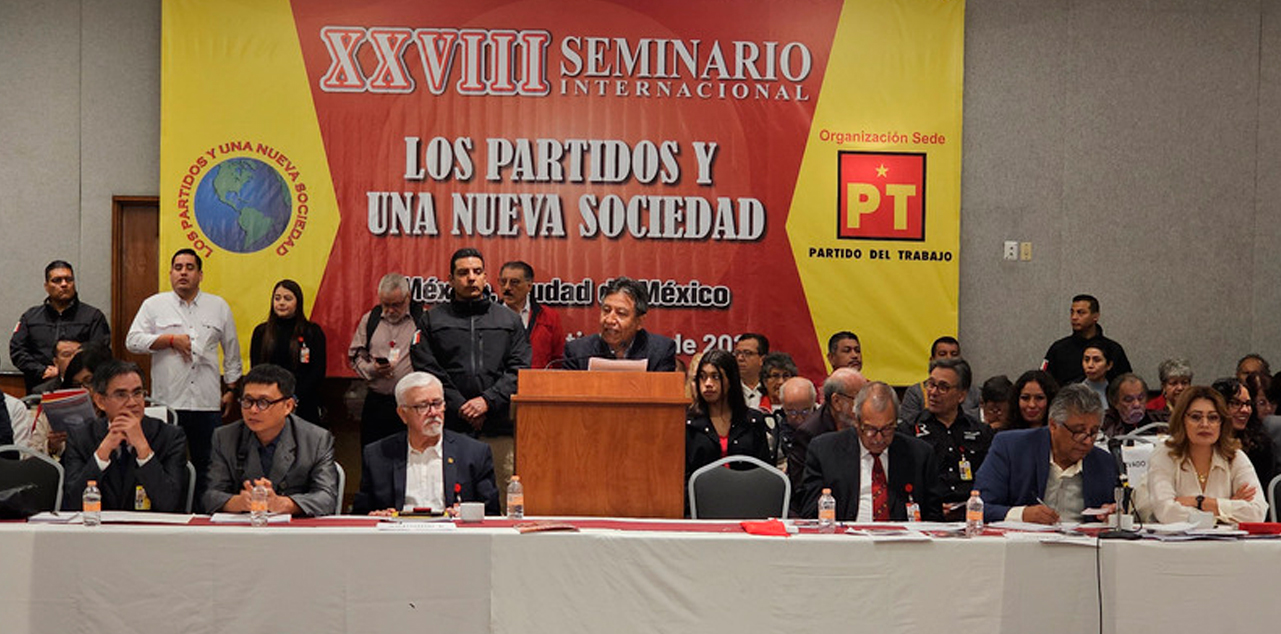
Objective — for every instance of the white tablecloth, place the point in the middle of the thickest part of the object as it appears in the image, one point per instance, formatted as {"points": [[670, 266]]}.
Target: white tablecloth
{"points": [[192, 580]]}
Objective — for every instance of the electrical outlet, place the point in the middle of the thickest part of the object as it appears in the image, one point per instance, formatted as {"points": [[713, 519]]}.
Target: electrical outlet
{"points": [[1011, 250], [1025, 251]]}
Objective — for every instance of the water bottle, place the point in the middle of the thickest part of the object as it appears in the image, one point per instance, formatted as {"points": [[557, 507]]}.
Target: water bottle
{"points": [[515, 499], [974, 515], [91, 506], [258, 505], [827, 512]]}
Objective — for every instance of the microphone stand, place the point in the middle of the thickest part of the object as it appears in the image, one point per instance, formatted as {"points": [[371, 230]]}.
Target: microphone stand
{"points": [[1123, 496]]}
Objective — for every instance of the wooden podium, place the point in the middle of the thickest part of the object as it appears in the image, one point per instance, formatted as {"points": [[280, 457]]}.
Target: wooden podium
{"points": [[601, 443]]}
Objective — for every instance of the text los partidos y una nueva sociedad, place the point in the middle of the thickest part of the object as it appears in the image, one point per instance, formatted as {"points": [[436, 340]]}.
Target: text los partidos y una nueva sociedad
{"points": [[542, 215]]}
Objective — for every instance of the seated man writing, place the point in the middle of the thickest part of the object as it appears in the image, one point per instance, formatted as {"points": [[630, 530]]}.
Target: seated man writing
{"points": [[291, 457], [425, 466], [1050, 473]]}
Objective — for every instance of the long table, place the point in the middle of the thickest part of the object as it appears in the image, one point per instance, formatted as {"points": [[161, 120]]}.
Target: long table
{"points": [[662, 578]]}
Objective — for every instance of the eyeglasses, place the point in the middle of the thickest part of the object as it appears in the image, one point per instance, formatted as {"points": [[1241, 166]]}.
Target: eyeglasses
{"points": [[1082, 435], [872, 432], [425, 408], [797, 413], [121, 396], [778, 376], [940, 386], [1197, 418], [745, 353], [1238, 404], [260, 404]]}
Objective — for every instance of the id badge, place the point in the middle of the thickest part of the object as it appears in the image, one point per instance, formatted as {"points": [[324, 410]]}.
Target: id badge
{"points": [[967, 474]]}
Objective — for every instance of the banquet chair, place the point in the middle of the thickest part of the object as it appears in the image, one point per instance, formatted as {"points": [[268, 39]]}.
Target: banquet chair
{"points": [[1150, 428], [37, 469], [191, 487], [1272, 498], [342, 483], [716, 492]]}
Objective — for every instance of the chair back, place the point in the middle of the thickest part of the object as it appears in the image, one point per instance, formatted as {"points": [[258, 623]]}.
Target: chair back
{"points": [[1137, 455], [1273, 487], [717, 492], [342, 483], [191, 487], [37, 469], [1150, 428]]}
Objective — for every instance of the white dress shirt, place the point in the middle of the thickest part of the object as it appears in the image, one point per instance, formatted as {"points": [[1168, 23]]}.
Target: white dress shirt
{"points": [[20, 419], [425, 478], [1057, 475], [525, 313], [753, 394], [181, 384], [866, 513], [1168, 478]]}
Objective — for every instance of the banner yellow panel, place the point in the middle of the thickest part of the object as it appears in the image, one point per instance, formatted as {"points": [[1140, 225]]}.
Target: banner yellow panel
{"points": [[244, 176], [875, 217]]}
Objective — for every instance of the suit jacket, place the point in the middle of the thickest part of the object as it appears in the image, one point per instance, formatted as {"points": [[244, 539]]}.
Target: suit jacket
{"points": [[303, 467], [164, 477], [818, 423], [1018, 464], [833, 462], [658, 350], [468, 464]]}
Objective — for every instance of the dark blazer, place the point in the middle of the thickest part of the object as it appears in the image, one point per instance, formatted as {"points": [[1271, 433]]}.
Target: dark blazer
{"points": [[468, 463], [658, 350], [303, 467], [832, 462], [164, 476], [1018, 464], [703, 445], [818, 423]]}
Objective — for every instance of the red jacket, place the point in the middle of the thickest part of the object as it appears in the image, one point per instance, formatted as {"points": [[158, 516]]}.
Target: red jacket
{"points": [[546, 336]]}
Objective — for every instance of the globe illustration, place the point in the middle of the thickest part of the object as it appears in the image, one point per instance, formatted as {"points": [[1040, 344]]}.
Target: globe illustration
{"points": [[243, 205]]}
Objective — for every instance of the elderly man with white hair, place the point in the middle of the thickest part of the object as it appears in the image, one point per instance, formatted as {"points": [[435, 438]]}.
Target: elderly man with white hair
{"points": [[425, 466]]}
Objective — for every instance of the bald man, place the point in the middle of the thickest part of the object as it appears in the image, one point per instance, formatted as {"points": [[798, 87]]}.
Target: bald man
{"points": [[836, 413]]}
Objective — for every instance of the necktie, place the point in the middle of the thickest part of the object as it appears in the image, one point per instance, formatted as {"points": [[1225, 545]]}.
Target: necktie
{"points": [[880, 491]]}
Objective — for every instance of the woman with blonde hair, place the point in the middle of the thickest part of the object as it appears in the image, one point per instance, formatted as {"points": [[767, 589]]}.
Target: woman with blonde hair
{"points": [[1201, 466]]}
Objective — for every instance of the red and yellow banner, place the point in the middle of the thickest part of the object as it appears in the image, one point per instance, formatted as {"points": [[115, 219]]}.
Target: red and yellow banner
{"points": [[768, 166]]}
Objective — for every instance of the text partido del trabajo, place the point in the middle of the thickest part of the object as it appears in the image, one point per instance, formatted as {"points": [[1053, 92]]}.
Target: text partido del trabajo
{"points": [[589, 162]]}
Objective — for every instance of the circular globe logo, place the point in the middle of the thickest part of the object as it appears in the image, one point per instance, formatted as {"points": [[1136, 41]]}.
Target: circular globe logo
{"points": [[243, 205]]}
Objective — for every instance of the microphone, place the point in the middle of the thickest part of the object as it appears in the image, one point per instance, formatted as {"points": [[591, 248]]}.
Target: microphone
{"points": [[1124, 527], [1122, 474]]}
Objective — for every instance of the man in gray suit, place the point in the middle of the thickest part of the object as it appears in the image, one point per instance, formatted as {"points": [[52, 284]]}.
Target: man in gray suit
{"points": [[291, 458]]}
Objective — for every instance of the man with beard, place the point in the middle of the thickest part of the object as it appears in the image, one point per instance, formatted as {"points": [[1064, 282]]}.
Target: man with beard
{"points": [[1127, 411], [425, 466]]}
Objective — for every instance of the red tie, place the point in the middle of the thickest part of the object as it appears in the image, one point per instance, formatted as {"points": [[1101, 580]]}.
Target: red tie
{"points": [[880, 491]]}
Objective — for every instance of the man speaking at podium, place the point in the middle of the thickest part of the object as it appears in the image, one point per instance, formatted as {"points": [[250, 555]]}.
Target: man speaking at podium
{"points": [[623, 305]]}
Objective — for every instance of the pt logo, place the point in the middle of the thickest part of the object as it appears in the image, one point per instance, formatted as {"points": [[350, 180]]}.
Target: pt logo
{"points": [[881, 197]]}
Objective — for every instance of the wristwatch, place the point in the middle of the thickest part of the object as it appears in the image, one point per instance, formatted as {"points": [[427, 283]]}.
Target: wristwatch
{"points": [[1200, 499]]}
